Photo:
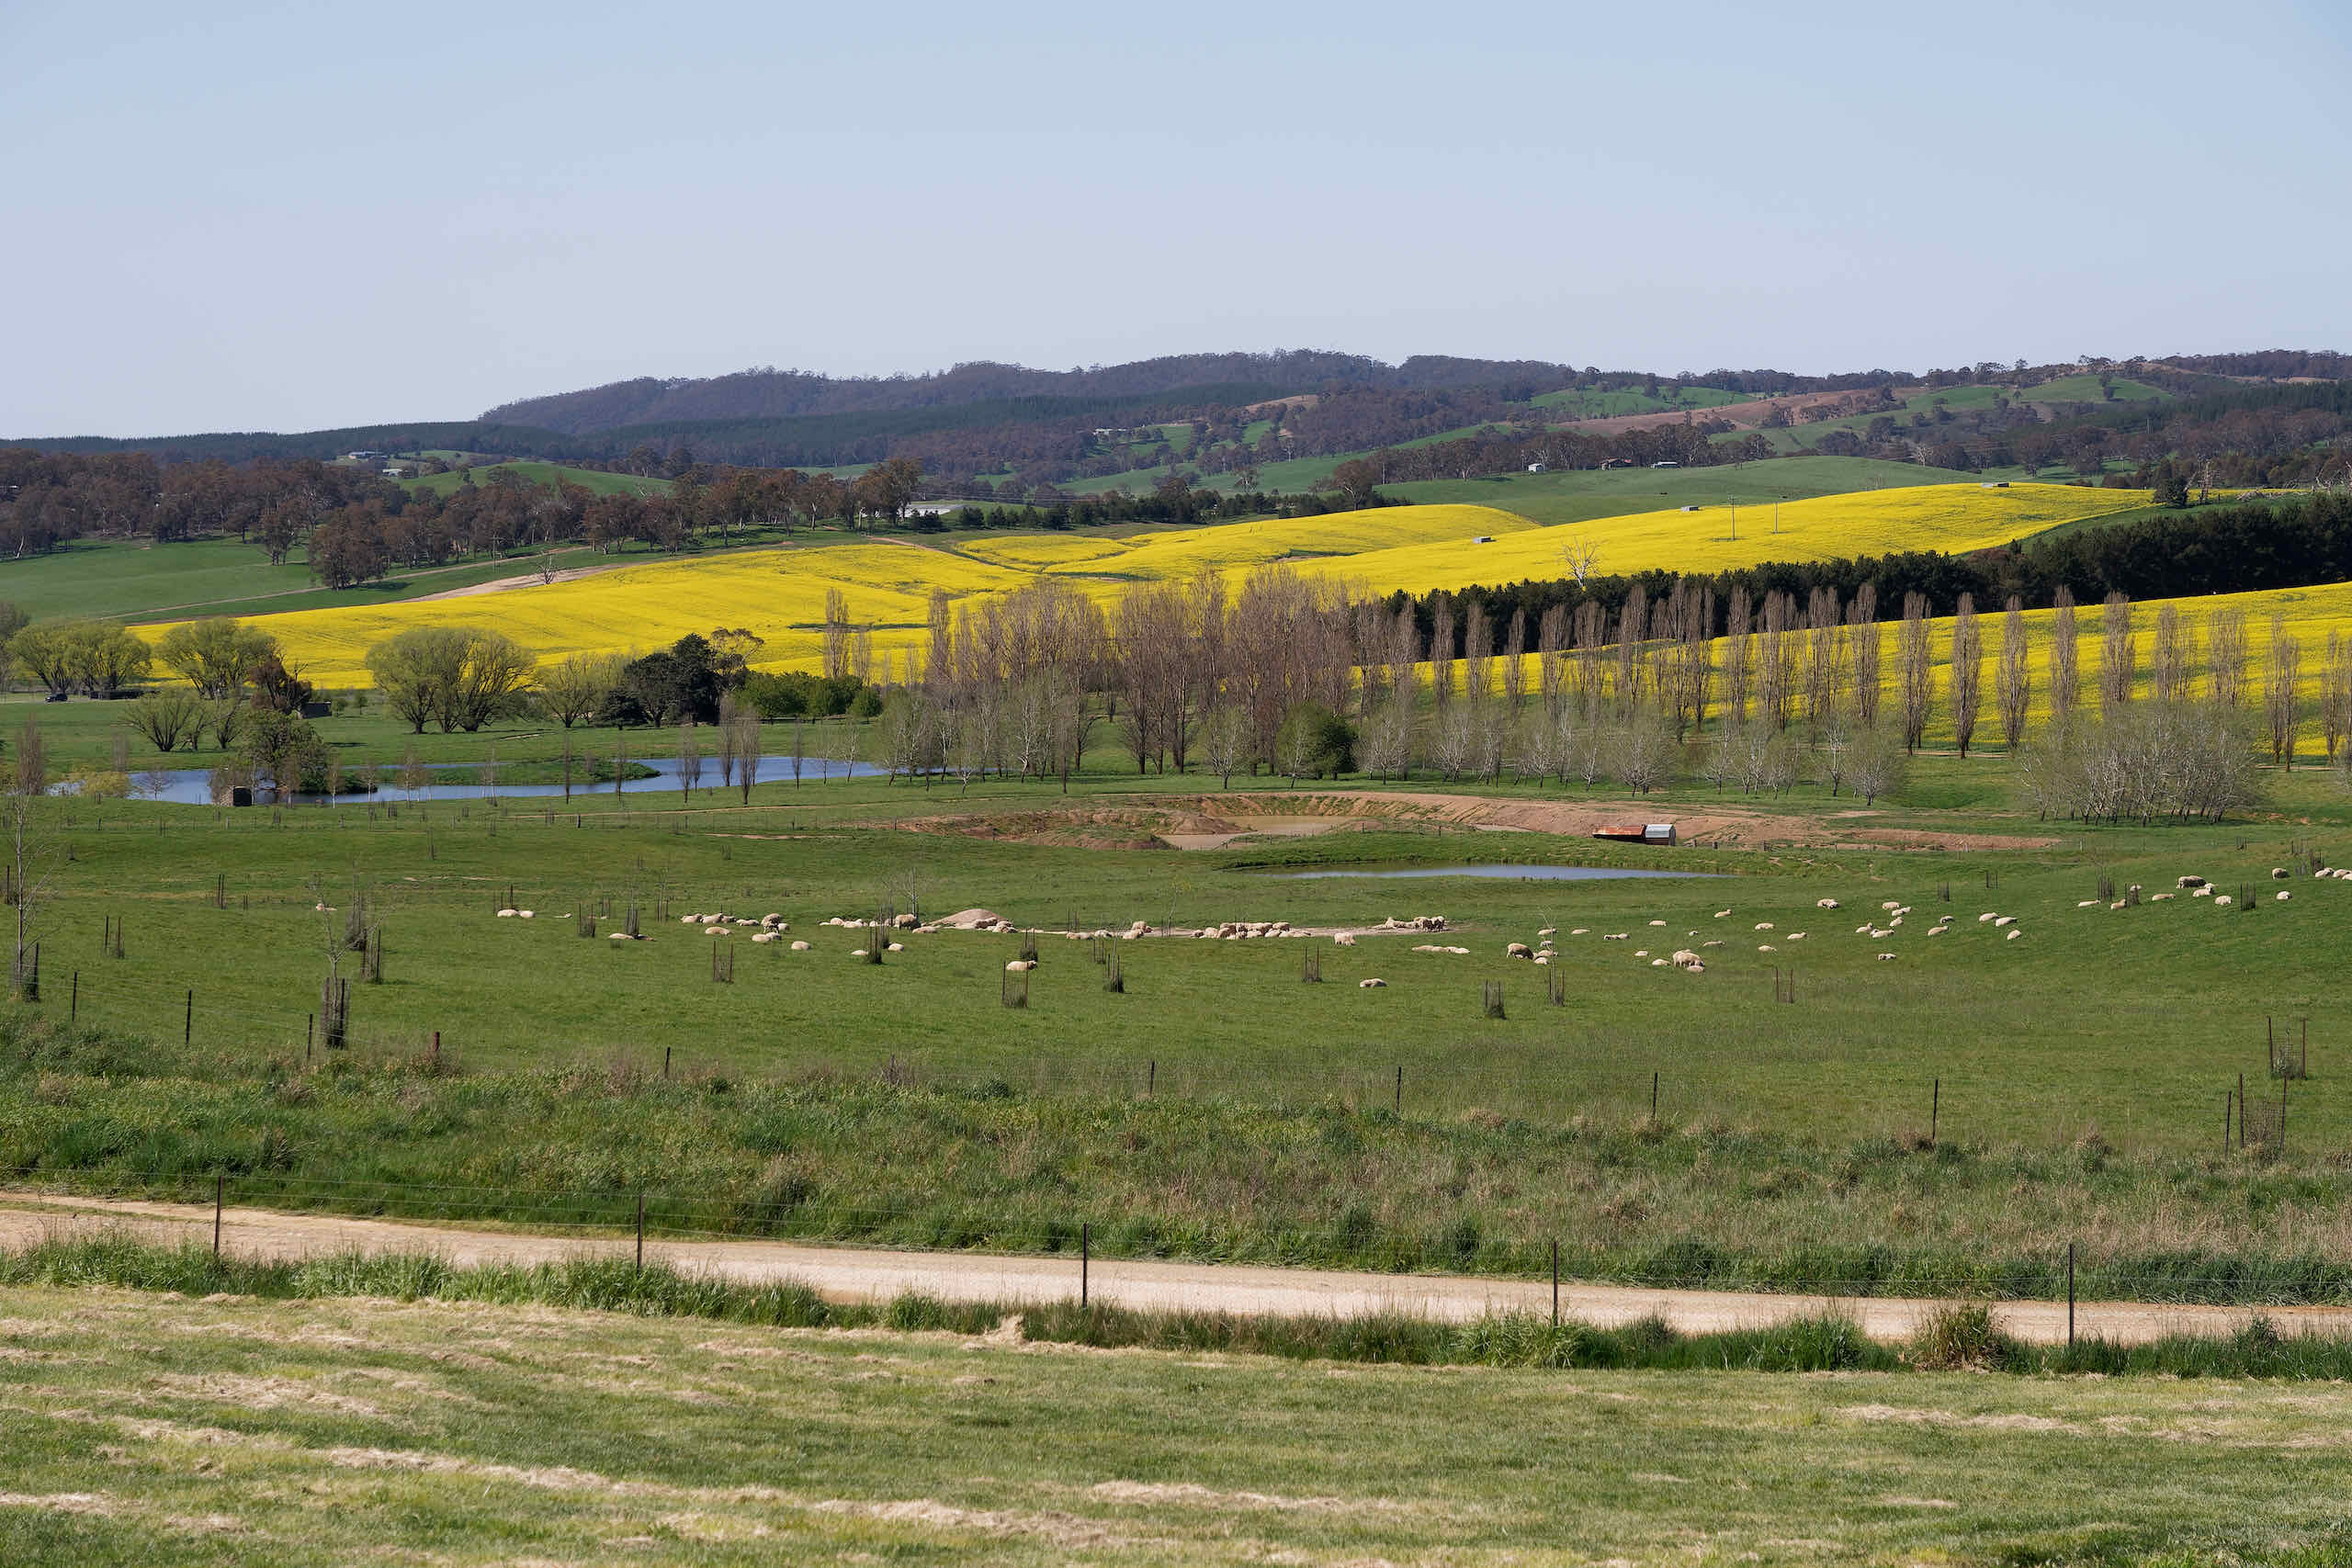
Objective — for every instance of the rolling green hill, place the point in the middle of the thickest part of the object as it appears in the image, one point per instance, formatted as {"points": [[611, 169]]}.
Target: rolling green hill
{"points": [[593, 480]]}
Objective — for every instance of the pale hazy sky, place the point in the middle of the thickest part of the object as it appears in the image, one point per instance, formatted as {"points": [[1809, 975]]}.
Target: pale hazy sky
{"points": [[287, 216]]}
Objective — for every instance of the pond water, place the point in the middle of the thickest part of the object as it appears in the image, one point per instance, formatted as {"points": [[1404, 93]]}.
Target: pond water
{"points": [[1505, 872], [193, 786]]}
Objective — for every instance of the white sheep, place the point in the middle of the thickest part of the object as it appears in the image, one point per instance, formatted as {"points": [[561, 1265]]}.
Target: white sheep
{"points": [[898, 947], [719, 930], [1892, 904], [2004, 921], [1641, 953], [1518, 950], [2221, 901], [2014, 935], [1766, 947], [1370, 985], [1020, 966], [799, 947], [1794, 936], [1658, 963], [1722, 914], [1657, 922], [1549, 931], [2086, 903], [1885, 957], [2283, 897], [690, 920], [1763, 925], [505, 914], [1341, 939], [524, 914], [1612, 936], [1987, 915], [1825, 903], [1580, 931]]}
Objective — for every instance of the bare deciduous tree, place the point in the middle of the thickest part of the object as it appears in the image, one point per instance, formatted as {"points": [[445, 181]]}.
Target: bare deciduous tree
{"points": [[2225, 658], [2281, 672], [2119, 655], [1916, 670], [1967, 678], [2065, 657], [1863, 617], [2013, 681]]}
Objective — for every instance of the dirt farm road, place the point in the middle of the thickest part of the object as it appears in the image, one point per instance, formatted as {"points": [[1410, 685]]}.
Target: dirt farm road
{"points": [[844, 1273]]}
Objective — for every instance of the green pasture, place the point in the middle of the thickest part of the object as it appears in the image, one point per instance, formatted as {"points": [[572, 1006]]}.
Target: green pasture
{"points": [[2128, 1020], [1580, 495], [546, 474]]}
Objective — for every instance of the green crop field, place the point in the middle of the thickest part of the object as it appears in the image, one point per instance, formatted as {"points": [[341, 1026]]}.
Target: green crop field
{"points": [[1580, 495], [596, 481]]}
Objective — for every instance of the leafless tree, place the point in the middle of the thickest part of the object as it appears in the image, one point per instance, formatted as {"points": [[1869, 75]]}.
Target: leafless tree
{"points": [[2014, 681], [1582, 558], [1917, 672], [689, 759], [1776, 661], [1861, 618], [1633, 631], [2065, 656], [2119, 653], [1551, 643], [1477, 654], [2335, 692], [1967, 679], [2225, 656], [835, 644], [2281, 672], [2174, 651], [1739, 657], [29, 848], [1441, 650], [1514, 657]]}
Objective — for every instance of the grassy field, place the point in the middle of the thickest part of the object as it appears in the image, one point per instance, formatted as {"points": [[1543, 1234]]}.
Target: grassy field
{"points": [[596, 481], [236, 1430]]}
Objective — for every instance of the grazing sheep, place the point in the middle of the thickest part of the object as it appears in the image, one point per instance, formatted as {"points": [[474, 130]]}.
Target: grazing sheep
{"points": [[505, 914], [1341, 939], [2086, 903], [2190, 882], [1549, 931], [2202, 893], [2014, 935], [524, 914], [1694, 967], [896, 947], [1892, 904], [1722, 914], [2116, 904], [1936, 931], [2005, 920], [2160, 897], [1614, 936], [1684, 956], [1519, 950], [719, 930], [1021, 966], [1896, 921], [1580, 931], [763, 936], [623, 936], [1763, 925], [1885, 957], [1794, 936], [1766, 947], [696, 919], [1542, 958], [1641, 953], [2279, 873], [1825, 903], [1658, 963], [1657, 922], [1862, 929], [1373, 985], [1458, 951], [1987, 915], [799, 947], [1717, 944], [2221, 901], [1881, 933], [2284, 896], [1428, 947]]}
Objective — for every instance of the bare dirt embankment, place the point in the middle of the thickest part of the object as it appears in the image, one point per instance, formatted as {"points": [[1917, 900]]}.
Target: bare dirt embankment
{"points": [[1215, 821], [856, 1274]]}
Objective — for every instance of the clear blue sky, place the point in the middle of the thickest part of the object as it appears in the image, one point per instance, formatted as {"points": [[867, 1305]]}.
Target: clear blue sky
{"points": [[248, 217]]}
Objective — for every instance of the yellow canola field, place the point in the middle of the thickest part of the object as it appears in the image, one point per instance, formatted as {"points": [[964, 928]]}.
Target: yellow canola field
{"points": [[1237, 547], [1952, 518], [778, 595]]}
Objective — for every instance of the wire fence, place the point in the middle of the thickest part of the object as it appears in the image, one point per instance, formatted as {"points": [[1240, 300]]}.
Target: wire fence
{"points": [[611, 1217]]}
